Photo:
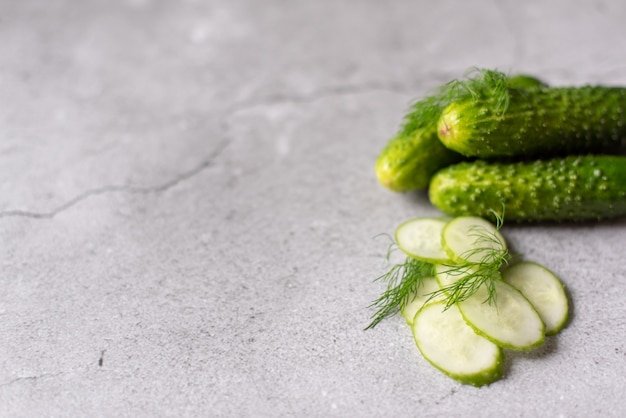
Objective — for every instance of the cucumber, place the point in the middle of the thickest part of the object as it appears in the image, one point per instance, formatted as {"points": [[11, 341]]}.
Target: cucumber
{"points": [[449, 344], [466, 309], [415, 153], [571, 188], [411, 158], [543, 289], [421, 238], [417, 299], [511, 322], [524, 81], [491, 120], [509, 319], [473, 239]]}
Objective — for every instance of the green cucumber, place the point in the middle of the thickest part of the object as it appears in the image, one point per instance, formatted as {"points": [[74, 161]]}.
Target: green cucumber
{"points": [[411, 158], [449, 344], [524, 81], [543, 289], [409, 161], [491, 119], [415, 153], [560, 189]]}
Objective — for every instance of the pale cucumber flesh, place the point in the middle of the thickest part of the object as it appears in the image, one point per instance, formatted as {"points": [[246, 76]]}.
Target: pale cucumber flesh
{"points": [[449, 344], [510, 320], [473, 239], [543, 289], [421, 238], [418, 298]]}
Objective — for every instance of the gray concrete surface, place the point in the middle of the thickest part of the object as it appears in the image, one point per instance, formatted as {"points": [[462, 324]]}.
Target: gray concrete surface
{"points": [[188, 207]]}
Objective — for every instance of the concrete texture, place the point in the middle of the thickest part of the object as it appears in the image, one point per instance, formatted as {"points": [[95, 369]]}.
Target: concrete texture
{"points": [[188, 207]]}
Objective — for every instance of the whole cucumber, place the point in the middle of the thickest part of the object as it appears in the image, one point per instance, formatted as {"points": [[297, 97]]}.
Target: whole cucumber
{"points": [[411, 157], [572, 188], [409, 160], [490, 121]]}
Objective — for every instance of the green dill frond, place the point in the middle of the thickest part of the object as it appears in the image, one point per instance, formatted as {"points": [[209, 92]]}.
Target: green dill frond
{"points": [[499, 217], [493, 255], [477, 84], [468, 283], [425, 113], [392, 245], [488, 247], [482, 84], [402, 280]]}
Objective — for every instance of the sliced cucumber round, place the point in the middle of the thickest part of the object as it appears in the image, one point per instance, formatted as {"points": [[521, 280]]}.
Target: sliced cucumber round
{"points": [[543, 289], [418, 298], [421, 238], [449, 344], [509, 320], [473, 239]]}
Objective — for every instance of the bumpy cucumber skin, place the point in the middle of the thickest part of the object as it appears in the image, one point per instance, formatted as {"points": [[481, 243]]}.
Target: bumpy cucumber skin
{"points": [[538, 122], [573, 188], [411, 158]]}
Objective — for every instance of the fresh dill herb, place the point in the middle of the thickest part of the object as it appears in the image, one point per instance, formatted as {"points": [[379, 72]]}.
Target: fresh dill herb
{"points": [[474, 274], [425, 113], [481, 84], [478, 84], [478, 267], [402, 280], [489, 248]]}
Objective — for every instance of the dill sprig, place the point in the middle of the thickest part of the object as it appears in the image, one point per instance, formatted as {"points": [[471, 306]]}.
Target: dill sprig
{"points": [[479, 267], [425, 113], [482, 84], [472, 276], [402, 280], [477, 84]]}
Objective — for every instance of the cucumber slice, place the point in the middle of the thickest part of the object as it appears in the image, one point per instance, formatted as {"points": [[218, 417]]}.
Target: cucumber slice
{"points": [[543, 289], [473, 239], [449, 344], [421, 238], [419, 298], [510, 320]]}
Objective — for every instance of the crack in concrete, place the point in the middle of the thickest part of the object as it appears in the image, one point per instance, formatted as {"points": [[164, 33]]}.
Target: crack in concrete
{"points": [[394, 87], [320, 94], [33, 378], [207, 162], [323, 93]]}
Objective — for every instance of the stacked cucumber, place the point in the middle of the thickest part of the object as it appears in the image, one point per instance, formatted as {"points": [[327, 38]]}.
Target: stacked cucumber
{"points": [[546, 153], [464, 302]]}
